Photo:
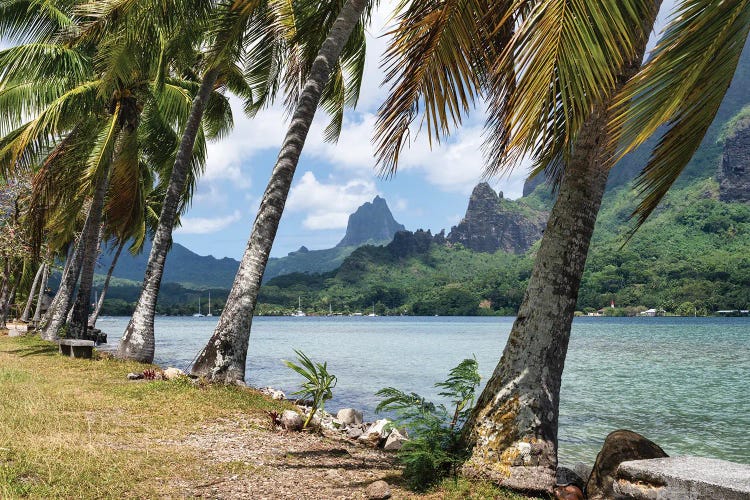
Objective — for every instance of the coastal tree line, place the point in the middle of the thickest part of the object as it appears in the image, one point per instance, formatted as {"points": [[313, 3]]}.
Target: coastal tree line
{"points": [[105, 108]]}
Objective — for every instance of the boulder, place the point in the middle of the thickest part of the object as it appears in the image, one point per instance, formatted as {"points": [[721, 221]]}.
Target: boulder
{"points": [[354, 432], [291, 420], [375, 432], [172, 373], [566, 476], [395, 441], [379, 490], [620, 446], [349, 416]]}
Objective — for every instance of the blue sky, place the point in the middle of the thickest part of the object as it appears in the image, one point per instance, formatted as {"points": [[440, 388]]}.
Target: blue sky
{"points": [[430, 191]]}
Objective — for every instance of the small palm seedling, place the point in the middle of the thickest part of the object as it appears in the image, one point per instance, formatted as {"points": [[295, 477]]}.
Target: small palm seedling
{"points": [[435, 449], [319, 385]]}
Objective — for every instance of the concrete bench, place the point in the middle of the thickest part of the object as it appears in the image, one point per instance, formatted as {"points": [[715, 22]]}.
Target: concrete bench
{"points": [[77, 348], [683, 478]]}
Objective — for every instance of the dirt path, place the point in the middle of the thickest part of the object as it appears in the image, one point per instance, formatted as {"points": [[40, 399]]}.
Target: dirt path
{"points": [[261, 464]]}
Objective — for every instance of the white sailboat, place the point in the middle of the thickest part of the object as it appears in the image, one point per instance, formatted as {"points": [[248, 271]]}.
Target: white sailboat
{"points": [[299, 313], [198, 314], [372, 314], [209, 306]]}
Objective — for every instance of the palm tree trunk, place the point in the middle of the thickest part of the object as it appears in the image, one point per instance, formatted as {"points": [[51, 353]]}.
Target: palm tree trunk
{"points": [[58, 309], [95, 315], [40, 299], [513, 429], [223, 358], [137, 342], [80, 314], [32, 293], [63, 300]]}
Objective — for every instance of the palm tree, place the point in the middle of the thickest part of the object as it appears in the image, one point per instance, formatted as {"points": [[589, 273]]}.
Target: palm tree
{"points": [[274, 39], [560, 89], [32, 292], [114, 79], [224, 356]]}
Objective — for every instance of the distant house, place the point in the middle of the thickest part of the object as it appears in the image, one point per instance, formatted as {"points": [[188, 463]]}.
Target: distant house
{"points": [[733, 312], [653, 312]]}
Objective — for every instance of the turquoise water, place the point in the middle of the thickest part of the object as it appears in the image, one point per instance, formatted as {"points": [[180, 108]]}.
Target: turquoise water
{"points": [[682, 382]]}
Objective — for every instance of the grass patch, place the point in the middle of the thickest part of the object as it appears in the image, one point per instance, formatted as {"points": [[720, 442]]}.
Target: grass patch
{"points": [[79, 429], [475, 490]]}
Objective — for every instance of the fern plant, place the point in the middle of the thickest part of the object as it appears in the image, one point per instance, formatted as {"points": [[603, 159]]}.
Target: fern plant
{"points": [[435, 449], [319, 383]]}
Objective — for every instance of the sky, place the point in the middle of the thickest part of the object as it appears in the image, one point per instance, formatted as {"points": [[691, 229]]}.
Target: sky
{"points": [[430, 190]]}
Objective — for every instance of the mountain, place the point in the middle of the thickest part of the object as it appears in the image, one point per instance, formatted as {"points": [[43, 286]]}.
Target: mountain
{"points": [[734, 172], [493, 223], [183, 266], [372, 223]]}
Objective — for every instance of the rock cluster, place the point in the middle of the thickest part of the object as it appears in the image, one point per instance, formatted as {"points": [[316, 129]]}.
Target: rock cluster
{"points": [[493, 223], [348, 422]]}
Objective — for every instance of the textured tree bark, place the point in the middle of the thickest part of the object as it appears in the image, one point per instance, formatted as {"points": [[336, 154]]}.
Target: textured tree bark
{"points": [[513, 430], [95, 315], [40, 298], [223, 358], [58, 309], [32, 293], [137, 341], [79, 319]]}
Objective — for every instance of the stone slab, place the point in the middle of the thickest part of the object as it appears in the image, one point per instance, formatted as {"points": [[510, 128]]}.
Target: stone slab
{"points": [[76, 348], [683, 478]]}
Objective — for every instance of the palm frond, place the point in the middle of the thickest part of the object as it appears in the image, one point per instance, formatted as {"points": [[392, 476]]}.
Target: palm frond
{"points": [[562, 60], [25, 21], [436, 59], [682, 86]]}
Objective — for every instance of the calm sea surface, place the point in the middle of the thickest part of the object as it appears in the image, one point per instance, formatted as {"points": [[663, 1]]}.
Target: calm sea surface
{"points": [[682, 382]]}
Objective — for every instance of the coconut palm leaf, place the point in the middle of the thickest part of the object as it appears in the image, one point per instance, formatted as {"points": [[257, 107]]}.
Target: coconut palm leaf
{"points": [[566, 55], [682, 86], [24, 21], [436, 62]]}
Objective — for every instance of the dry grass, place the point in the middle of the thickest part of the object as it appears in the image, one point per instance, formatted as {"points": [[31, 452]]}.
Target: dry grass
{"points": [[72, 428]]}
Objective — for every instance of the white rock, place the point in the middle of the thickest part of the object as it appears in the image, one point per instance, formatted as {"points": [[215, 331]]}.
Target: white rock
{"points": [[273, 393], [375, 432], [349, 416], [395, 441], [173, 373], [291, 420], [135, 376]]}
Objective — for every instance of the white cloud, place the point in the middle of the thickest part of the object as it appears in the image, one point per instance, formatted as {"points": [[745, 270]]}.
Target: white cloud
{"points": [[207, 225], [249, 137], [328, 205]]}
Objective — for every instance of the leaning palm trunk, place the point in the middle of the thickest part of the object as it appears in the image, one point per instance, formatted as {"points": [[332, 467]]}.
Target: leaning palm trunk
{"points": [[223, 358], [63, 300], [513, 429], [32, 293], [79, 318], [95, 315], [40, 298], [137, 342]]}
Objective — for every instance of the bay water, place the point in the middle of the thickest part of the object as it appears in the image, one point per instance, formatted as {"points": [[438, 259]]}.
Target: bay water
{"points": [[682, 382]]}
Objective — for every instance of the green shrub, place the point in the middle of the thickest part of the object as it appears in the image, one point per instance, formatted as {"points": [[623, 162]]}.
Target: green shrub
{"points": [[435, 449]]}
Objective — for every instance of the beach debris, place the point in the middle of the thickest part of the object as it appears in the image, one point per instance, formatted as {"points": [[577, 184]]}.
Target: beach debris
{"points": [[172, 373], [135, 376], [150, 374], [568, 492], [619, 446], [291, 420], [379, 490], [273, 393]]}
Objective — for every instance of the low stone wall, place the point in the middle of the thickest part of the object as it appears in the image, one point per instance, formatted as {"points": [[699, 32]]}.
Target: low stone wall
{"points": [[683, 478]]}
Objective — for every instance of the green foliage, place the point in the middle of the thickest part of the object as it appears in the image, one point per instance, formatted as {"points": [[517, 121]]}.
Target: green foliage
{"points": [[435, 449], [319, 385]]}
